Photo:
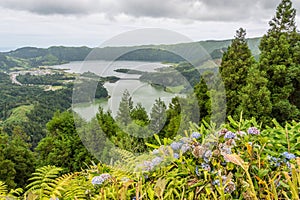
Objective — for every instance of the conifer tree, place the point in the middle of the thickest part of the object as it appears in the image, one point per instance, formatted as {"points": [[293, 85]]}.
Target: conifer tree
{"points": [[125, 107], [278, 63], [158, 116], [234, 69], [255, 97]]}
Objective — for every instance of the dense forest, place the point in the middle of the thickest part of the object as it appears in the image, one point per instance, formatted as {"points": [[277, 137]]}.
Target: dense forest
{"points": [[177, 151]]}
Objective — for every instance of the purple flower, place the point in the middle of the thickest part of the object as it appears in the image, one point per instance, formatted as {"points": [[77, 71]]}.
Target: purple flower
{"points": [[176, 145], [147, 166], [98, 180], [195, 135], [229, 135], [253, 131], [207, 155], [176, 155], [185, 148], [156, 161], [288, 156]]}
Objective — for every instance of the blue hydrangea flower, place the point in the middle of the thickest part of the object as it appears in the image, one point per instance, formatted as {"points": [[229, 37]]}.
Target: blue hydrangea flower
{"points": [[97, 180], [195, 135], [176, 145], [230, 135], [197, 171], [207, 155], [288, 156], [185, 148], [176, 155], [148, 166], [206, 167], [156, 161], [253, 131]]}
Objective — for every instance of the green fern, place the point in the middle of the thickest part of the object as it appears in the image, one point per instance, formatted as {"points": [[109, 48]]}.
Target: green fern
{"points": [[3, 190], [44, 182]]}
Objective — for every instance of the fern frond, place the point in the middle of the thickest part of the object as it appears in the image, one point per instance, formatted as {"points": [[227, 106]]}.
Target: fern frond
{"points": [[61, 183], [3, 189], [44, 180]]}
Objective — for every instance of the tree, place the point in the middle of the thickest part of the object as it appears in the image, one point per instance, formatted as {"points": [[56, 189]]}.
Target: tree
{"points": [[277, 62], [202, 94], [62, 146], [139, 113], [255, 97], [17, 161], [234, 70], [158, 116], [125, 107]]}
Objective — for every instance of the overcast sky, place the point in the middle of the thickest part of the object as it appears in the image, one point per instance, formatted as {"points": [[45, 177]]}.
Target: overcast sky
{"points": [[44, 23]]}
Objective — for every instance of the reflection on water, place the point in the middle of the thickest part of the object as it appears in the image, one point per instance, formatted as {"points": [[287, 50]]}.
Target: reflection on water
{"points": [[141, 92]]}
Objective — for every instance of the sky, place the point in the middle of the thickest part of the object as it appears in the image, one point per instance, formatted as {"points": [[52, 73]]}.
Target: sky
{"points": [[44, 23]]}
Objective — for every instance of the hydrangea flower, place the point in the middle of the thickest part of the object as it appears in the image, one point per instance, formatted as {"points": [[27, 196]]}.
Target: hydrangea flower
{"points": [[195, 135], [156, 161], [185, 148], [206, 167], [98, 180], [176, 155], [253, 131], [288, 156], [147, 166], [207, 155], [229, 135], [176, 145]]}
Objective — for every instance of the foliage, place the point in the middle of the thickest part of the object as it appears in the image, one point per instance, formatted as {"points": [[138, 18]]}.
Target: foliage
{"points": [[278, 64], [62, 146], [235, 162], [17, 161], [234, 68]]}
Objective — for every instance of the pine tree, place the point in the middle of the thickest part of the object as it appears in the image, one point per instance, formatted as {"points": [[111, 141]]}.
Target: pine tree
{"points": [[234, 70], [125, 107], [158, 116], [255, 97], [278, 63]]}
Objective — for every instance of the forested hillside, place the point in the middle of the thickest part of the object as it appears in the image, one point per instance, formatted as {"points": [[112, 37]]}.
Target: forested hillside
{"points": [[182, 150], [33, 57]]}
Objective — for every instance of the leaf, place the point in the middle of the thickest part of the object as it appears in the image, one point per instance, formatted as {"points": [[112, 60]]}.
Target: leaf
{"points": [[234, 158]]}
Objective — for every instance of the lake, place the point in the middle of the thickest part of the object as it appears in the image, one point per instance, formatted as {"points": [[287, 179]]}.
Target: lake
{"points": [[140, 91]]}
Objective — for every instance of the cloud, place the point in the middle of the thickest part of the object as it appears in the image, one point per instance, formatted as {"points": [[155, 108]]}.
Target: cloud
{"points": [[205, 10]]}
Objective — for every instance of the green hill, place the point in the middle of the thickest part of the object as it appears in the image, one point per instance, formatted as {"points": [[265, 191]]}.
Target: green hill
{"points": [[27, 57]]}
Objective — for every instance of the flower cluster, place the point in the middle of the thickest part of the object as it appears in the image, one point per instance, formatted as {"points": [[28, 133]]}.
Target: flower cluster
{"points": [[229, 135], [288, 156], [253, 131], [195, 135], [98, 180]]}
